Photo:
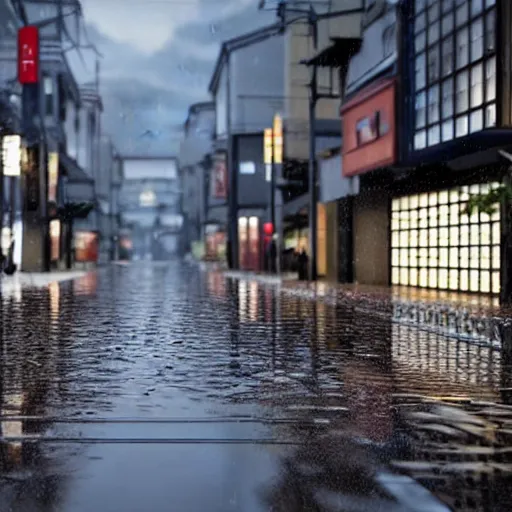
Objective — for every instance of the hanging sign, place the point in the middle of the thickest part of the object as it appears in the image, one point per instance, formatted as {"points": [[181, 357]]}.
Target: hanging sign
{"points": [[28, 55]]}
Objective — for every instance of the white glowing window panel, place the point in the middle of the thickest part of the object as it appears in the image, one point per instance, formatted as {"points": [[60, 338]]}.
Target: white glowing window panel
{"points": [[147, 199], [11, 155], [449, 251], [247, 168]]}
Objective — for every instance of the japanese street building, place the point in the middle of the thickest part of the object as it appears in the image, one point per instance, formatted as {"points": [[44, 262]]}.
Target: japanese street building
{"points": [[200, 235], [455, 115]]}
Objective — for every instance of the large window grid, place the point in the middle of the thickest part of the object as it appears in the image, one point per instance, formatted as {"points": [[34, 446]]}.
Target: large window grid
{"points": [[455, 69], [435, 245]]}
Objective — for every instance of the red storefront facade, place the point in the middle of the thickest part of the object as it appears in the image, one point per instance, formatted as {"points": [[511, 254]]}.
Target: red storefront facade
{"points": [[369, 131]]}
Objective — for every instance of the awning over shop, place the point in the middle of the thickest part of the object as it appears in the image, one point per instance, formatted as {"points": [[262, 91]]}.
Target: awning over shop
{"points": [[337, 55], [79, 186], [72, 170], [79, 192]]}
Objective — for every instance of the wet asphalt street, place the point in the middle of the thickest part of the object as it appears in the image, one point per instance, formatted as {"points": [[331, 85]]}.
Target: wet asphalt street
{"points": [[160, 387]]}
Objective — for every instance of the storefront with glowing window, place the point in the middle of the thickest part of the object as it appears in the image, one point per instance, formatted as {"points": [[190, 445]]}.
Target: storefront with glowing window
{"points": [[454, 128], [435, 245], [250, 243]]}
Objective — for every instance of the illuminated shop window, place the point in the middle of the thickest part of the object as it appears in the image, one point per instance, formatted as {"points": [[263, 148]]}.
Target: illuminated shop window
{"points": [[434, 245], [455, 69]]}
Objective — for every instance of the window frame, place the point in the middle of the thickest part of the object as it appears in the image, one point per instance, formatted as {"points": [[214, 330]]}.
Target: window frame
{"points": [[427, 51]]}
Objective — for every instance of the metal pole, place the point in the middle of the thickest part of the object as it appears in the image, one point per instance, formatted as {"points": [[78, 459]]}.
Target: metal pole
{"points": [[12, 204], [43, 212], [43, 181], [1, 188], [232, 173], [273, 188], [111, 206], [313, 192]]}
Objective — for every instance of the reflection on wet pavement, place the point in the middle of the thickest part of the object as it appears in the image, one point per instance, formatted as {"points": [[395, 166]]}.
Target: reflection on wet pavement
{"points": [[140, 384]]}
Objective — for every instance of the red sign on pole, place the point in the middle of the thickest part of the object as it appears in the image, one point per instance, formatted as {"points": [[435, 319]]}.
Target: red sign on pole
{"points": [[28, 55], [220, 177]]}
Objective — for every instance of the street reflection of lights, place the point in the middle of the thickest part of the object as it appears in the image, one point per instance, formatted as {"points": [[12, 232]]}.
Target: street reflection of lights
{"points": [[12, 404], [216, 284], [86, 285], [321, 311], [242, 299], [268, 306], [54, 290], [321, 289], [253, 301], [445, 360], [12, 289]]}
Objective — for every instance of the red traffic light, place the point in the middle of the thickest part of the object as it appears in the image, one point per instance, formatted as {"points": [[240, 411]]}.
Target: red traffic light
{"points": [[268, 228]]}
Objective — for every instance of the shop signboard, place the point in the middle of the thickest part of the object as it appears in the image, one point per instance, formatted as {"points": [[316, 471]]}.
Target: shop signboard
{"points": [[220, 177], [277, 135], [369, 129], [28, 55]]}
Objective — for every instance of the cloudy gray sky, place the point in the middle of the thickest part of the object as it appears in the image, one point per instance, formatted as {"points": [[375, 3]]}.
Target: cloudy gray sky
{"points": [[158, 59]]}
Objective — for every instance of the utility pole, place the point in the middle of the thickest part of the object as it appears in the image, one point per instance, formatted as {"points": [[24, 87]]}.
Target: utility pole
{"points": [[232, 173], [112, 163], [273, 184], [313, 190], [1, 194]]}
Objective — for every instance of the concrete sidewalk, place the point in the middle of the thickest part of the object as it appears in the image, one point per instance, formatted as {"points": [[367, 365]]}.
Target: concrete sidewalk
{"points": [[11, 285]]}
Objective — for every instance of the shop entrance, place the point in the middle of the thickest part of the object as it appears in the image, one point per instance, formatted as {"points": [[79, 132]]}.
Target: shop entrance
{"points": [[249, 243]]}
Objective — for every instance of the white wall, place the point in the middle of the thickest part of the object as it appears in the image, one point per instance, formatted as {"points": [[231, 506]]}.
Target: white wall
{"points": [[378, 51], [221, 105], [150, 168], [257, 93]]}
